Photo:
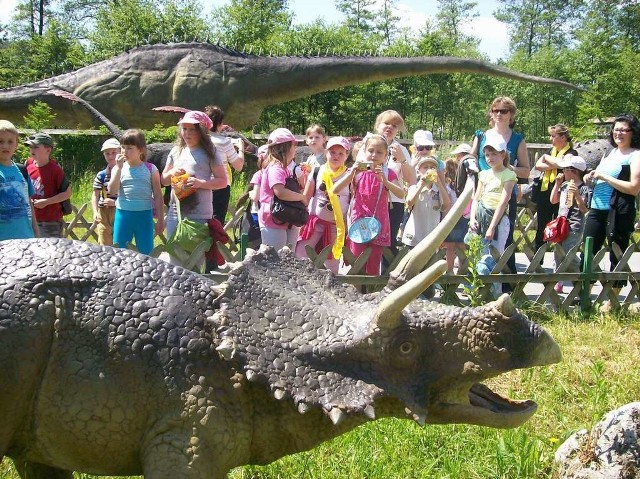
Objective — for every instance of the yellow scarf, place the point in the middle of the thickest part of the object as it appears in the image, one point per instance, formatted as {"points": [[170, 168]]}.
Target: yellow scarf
{"points": [[327, 179], [550, 175]]}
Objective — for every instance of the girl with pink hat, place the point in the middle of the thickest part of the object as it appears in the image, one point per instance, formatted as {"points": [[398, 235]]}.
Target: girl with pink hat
{"points": [[194, 154], [281, 150]]}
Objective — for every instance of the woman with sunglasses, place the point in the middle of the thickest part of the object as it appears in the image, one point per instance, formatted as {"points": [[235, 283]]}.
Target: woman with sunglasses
{"points": [[616, 183], [502, 118]]}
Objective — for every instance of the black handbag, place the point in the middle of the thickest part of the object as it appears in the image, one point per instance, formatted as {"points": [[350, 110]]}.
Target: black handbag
{"points": [[289, 212], [536, 186]]}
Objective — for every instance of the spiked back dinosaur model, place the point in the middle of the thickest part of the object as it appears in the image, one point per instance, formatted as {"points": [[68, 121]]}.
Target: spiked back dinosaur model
{"points": [[115, 363], [191, 75]]}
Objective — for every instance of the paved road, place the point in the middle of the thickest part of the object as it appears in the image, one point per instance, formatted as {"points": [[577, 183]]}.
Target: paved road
{"points": [[532, 290]]}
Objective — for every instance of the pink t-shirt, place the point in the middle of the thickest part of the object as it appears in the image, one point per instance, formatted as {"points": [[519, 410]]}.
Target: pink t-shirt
{"points": [[273, 175], [364, 203]]}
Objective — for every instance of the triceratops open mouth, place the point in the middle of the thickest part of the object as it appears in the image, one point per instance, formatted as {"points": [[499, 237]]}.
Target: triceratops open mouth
{"points": [[482, 406]]}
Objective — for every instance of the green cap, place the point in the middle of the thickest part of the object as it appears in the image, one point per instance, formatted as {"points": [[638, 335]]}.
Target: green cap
{"points": [[39, 139]]}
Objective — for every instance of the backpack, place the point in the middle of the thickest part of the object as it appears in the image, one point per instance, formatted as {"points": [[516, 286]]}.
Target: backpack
{"points": [[556, 230], [65, 204]]}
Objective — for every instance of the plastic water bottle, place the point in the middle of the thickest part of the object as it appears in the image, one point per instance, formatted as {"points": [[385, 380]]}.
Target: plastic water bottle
{"points": [[569, 202]]}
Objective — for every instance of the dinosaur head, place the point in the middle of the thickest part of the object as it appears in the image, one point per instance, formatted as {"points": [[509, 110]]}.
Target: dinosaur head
{"points": [[321, 344]]}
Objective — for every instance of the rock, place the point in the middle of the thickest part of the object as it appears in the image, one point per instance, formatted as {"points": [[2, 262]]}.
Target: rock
{"points": [[610, 451]]}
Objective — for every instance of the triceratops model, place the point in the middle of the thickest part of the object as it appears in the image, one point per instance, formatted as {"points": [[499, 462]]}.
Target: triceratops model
{"points": [[112, 362]]}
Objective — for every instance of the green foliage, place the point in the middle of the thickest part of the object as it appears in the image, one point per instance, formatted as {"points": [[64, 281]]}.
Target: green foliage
{"points": [[128, 23], [39, 116], [475, 285], [253, 24]]}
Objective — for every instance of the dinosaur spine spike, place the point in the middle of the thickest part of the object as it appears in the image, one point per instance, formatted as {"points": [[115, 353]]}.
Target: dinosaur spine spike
{"points": [[337, 415], [370, 412], [227, 349], [419, 417]]}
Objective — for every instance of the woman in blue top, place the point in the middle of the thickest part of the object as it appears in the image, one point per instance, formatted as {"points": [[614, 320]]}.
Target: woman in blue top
{"points": [[616, 183], [502, 118]]}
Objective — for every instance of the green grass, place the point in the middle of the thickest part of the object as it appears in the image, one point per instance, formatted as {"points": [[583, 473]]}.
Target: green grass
{"points": [[600, 372]]}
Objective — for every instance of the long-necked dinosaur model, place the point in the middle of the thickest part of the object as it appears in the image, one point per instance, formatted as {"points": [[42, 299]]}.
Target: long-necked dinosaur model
{"points": [[126, 87]]}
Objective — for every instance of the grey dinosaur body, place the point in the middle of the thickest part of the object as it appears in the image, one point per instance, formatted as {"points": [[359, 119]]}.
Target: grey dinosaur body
{"points": [[112, 362], [191, 75]]}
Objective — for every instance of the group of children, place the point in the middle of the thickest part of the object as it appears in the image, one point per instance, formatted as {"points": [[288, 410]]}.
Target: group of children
{"points": [[127, 193], [31, 195], [338, 197]]}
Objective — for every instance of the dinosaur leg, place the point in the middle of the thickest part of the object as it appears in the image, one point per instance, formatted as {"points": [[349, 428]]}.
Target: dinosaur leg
{"points": [[172, 455], [33, 470]]}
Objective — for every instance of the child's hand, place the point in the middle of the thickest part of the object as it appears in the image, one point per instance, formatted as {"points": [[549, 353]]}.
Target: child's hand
{"points": [[379, 174], [560, 177], [490, 232], [192, 182], [474, 225], [120, 159], [159, 226]]}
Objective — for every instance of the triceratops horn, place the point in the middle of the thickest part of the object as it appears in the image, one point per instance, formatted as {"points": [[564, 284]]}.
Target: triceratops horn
{"points": [[390, 308], [420, 255]]}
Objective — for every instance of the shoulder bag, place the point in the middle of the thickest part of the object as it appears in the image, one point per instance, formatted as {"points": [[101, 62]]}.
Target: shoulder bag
{"points": [[366, 229], [293, 213]]}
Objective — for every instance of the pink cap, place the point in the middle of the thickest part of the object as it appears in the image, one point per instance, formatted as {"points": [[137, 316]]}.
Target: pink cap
{"points": [[339, 140], [281, 135], [194, 117]]}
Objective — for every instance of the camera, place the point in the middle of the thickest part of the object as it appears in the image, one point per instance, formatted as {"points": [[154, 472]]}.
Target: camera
{"points": [[365, 165]]}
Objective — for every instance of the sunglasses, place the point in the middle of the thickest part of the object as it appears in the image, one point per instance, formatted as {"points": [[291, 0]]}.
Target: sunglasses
{"points": [[622, 130], [423, 148], [502, 111]]}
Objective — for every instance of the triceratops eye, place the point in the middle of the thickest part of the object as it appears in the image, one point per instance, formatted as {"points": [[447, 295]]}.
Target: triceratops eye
{"points": [[406, 347]]}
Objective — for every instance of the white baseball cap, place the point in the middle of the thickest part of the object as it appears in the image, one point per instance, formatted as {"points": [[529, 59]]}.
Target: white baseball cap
{"points": [[110, 143], [462, 148], [573, 161], [496, 142]]}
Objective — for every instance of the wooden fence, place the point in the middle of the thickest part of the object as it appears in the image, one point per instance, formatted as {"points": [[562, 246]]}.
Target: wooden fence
{"points": [[541, 277]]}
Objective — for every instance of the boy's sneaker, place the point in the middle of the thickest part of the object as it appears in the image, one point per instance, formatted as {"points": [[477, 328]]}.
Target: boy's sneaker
{"points": [[558, 287]]}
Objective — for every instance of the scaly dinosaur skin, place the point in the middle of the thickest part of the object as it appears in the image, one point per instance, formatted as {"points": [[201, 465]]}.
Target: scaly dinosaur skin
{"points": [[126, 87], [115, 363]]}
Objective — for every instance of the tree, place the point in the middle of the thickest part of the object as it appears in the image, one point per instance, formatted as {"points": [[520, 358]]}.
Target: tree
{"points": [[359, 16], [128, 23], [31, 17], [252, 23], [538, 23], [387, 21], [452, 14]]}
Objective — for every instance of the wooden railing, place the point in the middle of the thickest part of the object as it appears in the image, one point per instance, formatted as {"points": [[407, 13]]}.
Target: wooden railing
{"points": [[534, 284]]}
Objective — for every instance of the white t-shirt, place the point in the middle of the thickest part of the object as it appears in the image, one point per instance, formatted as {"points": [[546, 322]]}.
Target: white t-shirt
{"points": [[425, 215], [225, 151]]}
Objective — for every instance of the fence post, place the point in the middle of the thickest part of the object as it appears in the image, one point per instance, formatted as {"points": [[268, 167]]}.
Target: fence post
{"points": [[587, 269], [244, 240]]}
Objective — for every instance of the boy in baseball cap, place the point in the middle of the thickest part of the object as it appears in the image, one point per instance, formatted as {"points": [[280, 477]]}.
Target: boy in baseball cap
{"points": [[50, 184], [103, 204], [570, 194]]}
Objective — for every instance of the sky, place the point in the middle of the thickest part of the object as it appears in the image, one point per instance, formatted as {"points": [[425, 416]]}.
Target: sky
{"points": [[493, 35]]}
